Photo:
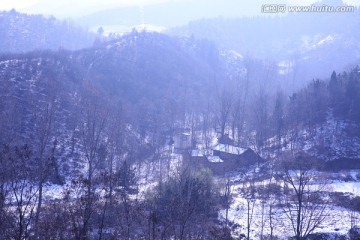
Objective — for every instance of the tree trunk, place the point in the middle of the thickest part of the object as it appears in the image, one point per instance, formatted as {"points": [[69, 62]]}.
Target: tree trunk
{"points": [[271, 222], [38, 210], [298, 220], [248, 220]]}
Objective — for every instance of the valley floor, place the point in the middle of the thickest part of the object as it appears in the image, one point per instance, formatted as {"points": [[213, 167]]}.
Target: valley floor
{"points": [[337, 220]]}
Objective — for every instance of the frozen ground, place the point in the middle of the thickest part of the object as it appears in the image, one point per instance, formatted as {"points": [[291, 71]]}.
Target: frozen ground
{"points": [[338, 219]]}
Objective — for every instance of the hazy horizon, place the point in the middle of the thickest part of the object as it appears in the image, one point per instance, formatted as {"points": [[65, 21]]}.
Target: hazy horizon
{"points": [[79, 8]]}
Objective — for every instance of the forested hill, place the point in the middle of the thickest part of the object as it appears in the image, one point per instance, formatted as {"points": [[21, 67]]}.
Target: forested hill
{"points": [[20, 33], [339, 96], [322, 119], [159, 84], [152, 66], [91, 117], [305, 43], [150, 80]]}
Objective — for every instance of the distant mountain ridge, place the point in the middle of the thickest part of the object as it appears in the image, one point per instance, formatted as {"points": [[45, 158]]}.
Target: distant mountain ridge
{"points": [[20, 33], [311, 43], [168, 14]]}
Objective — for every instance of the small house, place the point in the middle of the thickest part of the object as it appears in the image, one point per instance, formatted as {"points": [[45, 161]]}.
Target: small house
{"points": [[182, 142], [236, 156], [225, 158]]}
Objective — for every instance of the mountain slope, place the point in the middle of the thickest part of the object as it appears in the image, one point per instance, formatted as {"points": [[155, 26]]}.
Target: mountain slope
{"points": [[21, 33], [150, 79], [310, 43]]}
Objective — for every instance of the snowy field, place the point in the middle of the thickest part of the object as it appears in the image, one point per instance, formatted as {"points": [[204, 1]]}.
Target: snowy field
{"points": [[338, 220]]}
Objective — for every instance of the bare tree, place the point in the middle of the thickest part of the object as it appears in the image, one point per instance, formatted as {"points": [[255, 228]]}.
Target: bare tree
{"points": [[19, 201], [207, 117], [304, 203], [248, 191], [45, 153], [278, 117], [261, 118], [185, 203], [223, 109], [237, 119], [92, 127], [226, 196]]}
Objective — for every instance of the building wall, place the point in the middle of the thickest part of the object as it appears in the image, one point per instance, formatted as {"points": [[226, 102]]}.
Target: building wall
{"points": [[230, 162]]}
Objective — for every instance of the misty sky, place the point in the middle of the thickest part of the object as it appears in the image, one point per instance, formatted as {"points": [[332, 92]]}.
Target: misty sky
{"points": [[78, 8]]}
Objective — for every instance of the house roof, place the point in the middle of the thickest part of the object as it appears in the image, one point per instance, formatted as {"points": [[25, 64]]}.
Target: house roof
{"points": [[197, 153], [214, 159], [230, 149]]}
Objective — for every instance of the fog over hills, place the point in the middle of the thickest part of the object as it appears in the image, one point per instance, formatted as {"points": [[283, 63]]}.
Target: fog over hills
{"points": [[179, 120], [292, 41], [169, 14], [301, 42]]}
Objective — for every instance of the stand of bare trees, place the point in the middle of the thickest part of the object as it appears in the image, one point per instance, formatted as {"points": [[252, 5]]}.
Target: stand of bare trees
{"points": [[304, 199], [183, 207], [19, 192]]}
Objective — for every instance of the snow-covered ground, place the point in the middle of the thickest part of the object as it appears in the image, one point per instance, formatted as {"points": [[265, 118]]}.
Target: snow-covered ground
{"points": [[338, 219], [53, 192]]}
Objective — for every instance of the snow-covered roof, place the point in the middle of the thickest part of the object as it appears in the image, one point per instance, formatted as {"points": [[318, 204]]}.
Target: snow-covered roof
{"points": [[214, 159], [197, 153], [230, 149]]}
